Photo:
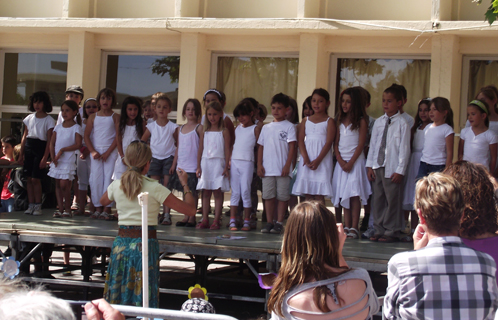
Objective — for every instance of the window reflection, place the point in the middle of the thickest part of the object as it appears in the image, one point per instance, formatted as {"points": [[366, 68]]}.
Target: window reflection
{"points": [[376, 75], [142, 76], [26, 73]]}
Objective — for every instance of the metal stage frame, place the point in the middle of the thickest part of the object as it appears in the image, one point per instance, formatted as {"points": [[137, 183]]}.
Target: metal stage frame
{"points": [[201, 246]]}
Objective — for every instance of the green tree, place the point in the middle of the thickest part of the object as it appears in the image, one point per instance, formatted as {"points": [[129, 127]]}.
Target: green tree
{"points": [[491, 13], [169, 65]]}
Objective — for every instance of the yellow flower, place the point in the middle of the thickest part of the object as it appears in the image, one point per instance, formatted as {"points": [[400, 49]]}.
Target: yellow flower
{"points": [[197, 292]]}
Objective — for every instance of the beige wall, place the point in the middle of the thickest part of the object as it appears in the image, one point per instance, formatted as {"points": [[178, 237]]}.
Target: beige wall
{"points": [[135, 9], [31, 8], [379, 9], [251, 9]]}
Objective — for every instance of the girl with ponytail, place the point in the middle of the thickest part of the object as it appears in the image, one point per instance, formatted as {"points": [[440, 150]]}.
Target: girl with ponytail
{"points": [[123, 283]]}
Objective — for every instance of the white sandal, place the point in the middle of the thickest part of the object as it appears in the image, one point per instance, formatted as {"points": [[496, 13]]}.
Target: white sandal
{"points": [[353, 233]]}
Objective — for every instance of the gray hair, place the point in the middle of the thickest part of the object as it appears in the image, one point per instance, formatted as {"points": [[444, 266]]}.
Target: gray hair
{"points": [[34, 305]]}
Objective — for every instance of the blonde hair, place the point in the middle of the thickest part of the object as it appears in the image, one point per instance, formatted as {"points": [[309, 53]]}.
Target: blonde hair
{"points": [[17, 151], [310, 243], [441, 203], [218, 108], [137, 155]]}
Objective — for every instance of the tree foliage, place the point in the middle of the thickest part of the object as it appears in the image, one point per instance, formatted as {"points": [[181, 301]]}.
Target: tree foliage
{"points": [[491, 12], [169, 65]]}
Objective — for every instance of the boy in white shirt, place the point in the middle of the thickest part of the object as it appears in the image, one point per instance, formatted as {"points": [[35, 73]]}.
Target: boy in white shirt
{"points": [[277, 142], [386, 163]]}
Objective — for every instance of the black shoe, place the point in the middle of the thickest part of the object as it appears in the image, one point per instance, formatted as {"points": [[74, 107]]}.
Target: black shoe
{"points": [[181, 224]]}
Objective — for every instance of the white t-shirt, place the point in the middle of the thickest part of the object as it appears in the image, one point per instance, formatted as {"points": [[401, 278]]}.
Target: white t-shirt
{"points": [[130, 212], [275, 138], [409, 119], [162, 143], [38, 127], [476, 148], [434, 151]]}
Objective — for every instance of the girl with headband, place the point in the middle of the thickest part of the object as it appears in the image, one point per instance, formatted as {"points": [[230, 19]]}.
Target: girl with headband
{"points": [[478, 144]]}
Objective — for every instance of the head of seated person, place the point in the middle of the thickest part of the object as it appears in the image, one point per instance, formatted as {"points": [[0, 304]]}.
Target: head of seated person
{"points": [[312, 251], [439, 203], [480, 214], [20, 303]]}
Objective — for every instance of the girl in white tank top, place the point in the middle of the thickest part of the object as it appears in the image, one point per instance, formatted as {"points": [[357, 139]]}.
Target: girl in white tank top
{"points": [[186, 153], [100, 139], [242, 165]]}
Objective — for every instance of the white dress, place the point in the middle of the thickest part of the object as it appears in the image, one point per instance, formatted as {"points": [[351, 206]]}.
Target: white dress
{"points": [[354, 183], [213, 163], [66, 165], [319, 181], [130, 134], [412, 171]]}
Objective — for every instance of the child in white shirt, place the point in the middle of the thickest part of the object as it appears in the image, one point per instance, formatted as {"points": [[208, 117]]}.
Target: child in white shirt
{"points": [[277, 142], [386, 163]]}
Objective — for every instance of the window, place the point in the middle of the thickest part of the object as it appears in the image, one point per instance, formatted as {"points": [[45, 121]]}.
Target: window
{"points": [[477, 72], [142, 76], [257, 77], [376, 75], [26, 73]]}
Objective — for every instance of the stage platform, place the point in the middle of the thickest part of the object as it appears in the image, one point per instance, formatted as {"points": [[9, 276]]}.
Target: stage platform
{"points": [[17, 227]]}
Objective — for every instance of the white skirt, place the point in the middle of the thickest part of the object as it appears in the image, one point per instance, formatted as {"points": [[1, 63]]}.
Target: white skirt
{"points": [[352, 184], [212, 178], [63, 171], [411, 175]]}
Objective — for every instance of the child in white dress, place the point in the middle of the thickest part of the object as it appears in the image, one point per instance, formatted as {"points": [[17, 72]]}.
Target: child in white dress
{"points": [[212, 164], [350, 181], [131, 127], [478, 143], [314, 175], [186, 153], [66, 139]]}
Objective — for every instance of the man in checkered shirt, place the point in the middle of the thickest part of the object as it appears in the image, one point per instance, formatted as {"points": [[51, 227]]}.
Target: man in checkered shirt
{"points": [[442, 278]]}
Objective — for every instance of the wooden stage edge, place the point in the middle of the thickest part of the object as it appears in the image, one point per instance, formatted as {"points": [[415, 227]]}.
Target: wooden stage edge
{"points": [[16, 227]]}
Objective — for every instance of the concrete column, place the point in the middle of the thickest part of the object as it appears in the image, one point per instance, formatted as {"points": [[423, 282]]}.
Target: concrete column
{"points": [[446, 75], [187, 8], [83, 63], [313, 66], [195, 65]]}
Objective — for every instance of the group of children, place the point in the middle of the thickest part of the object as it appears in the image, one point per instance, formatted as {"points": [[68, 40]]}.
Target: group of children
{"points": [[378, 159]]}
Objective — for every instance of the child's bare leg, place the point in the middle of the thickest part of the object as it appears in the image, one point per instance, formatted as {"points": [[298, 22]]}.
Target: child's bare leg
{"points": [[76, 198], [218, 204], [206, 202], [338, 214], [355, 211], [247, 213], [282, 206], [233, 212], [37, 190], [270, 208], [30, 190], [59, 195], [108, 210], [347, 218], [66, 194]]}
